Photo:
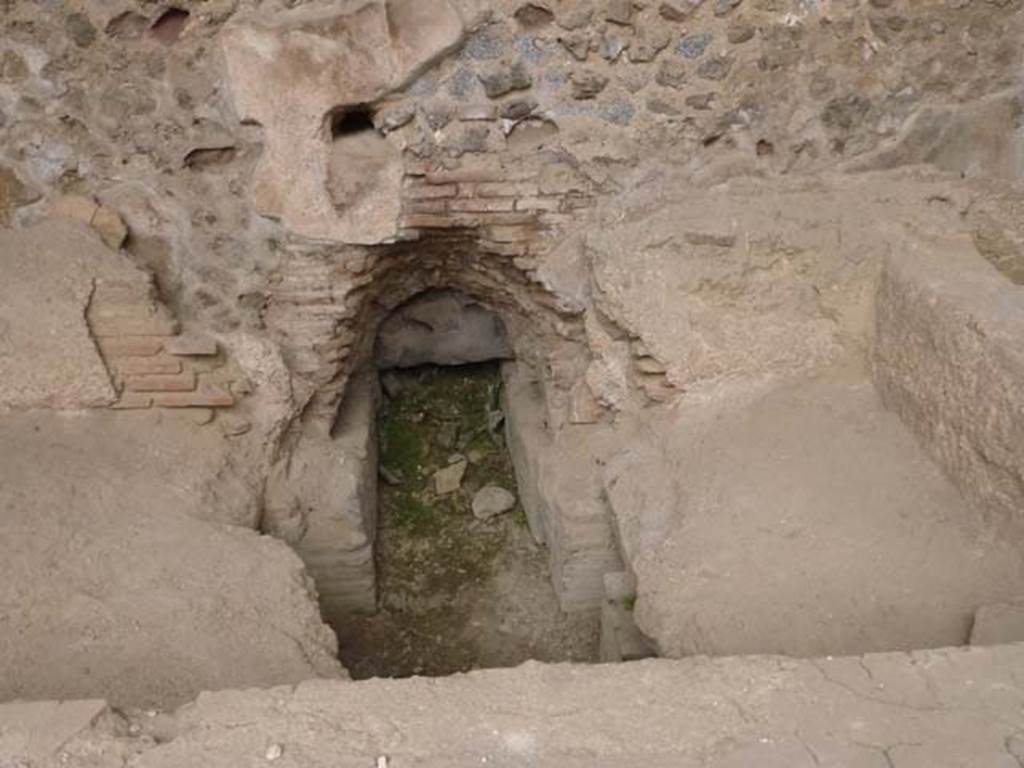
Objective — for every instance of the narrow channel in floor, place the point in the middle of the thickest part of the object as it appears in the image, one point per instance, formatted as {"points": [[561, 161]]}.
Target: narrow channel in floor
{"points": [[461, 583]]}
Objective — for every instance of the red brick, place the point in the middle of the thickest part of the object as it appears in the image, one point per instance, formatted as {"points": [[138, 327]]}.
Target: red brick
{"points": [[151, 326], [133, 401], [431, 191], [512, 219], [199, 346], [201, 398], [131, 346], [460, 175], [129, 366], [417, 167], [123, 292], [488, 205], [577, 202], [498, 189], [184, 382], [557, 219], [427, 206]]}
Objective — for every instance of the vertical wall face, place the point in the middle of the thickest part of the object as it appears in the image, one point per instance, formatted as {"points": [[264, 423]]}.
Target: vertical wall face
{"points": [[322, 499], [560, 487], [948, 358]]}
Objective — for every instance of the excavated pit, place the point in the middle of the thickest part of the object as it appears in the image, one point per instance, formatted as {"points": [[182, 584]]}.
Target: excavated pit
{"points": [[455, 592], [460, 581]]}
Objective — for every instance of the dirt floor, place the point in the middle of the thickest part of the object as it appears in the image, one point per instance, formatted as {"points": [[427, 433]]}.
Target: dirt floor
{"points": [[455, 593]]}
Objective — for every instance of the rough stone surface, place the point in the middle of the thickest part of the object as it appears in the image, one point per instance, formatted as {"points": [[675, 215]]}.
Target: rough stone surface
{"points": [[441, 328], [34, 732], [14, 194], [289, 73], [948, 359], [944, 709], [142, 603], [798, 513], [491, 501], [48, 358]]}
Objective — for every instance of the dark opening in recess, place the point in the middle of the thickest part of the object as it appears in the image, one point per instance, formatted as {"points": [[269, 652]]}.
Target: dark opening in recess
{"points": [[350, 121]]}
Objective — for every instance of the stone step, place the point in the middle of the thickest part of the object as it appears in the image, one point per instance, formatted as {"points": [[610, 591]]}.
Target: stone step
{"points": [[939, 708]]}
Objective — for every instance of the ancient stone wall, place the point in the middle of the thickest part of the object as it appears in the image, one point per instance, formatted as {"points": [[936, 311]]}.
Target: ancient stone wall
{"points": [[494, 123], [289, 172]]}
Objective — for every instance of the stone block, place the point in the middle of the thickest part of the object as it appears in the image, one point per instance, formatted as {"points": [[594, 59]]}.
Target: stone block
{"points": [[619, 11], [76, 207], [998, 624], [505, 81], [497, 188], [550, 204], [47, 357]]}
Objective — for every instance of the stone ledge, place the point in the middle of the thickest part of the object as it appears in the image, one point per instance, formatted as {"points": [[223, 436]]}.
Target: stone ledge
{"points": [[941, 708]]}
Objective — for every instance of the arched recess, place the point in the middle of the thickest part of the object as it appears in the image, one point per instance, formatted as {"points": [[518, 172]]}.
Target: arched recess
{"points": [[328, 304], [441, 327], [327, 309]]}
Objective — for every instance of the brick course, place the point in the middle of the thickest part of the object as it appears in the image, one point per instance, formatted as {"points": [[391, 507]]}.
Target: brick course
{"points": [[150, 364]]}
